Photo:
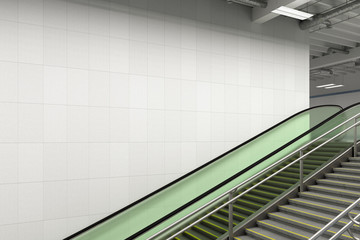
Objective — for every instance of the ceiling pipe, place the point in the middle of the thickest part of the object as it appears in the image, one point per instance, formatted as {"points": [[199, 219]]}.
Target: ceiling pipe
{"points": [[332, 50], [252, 3], [321, 18], [322, 71]]}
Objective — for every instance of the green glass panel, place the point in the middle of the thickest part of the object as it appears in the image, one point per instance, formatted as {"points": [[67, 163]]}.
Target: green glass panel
{"points": [[145, 213]]}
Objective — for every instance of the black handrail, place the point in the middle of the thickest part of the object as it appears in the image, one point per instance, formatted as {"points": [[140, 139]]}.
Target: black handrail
{"points": [[140, 232]]}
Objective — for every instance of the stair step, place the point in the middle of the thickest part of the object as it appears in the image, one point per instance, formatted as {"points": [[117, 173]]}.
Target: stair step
{"points": [[244, 238], [340, 176], [306, 224], [347, 170], [219, 227], [256, 199], [306, 166], [206, 231], [237, 216], [285, 229], [274, 183], [342, 184], [191, 234], [263, 234], [262, 193], [355, 159], [285, 179], [272, 189], [243, 210], [249, 204], [222, 219], [316, 196], [307, 212], [324, 207], [334, 190], [351, 164]]}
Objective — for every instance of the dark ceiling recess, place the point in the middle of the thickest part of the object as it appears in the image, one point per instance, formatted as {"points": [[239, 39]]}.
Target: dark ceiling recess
{"points": [[252, 3]]}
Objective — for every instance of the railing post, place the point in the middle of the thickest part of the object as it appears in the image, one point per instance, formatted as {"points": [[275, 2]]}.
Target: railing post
{"points": [[301, 168], [355, 139], [231, 217]]}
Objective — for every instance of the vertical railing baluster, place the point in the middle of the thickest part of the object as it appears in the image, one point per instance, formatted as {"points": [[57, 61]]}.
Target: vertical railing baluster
{"points": [[301, 172], [231, 217], [355, 139]]}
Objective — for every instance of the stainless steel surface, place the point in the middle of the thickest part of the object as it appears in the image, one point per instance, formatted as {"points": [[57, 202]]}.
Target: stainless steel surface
{"points": [[355, 139], [335, 220], [301, 172], [231, 218], [254, 177]]}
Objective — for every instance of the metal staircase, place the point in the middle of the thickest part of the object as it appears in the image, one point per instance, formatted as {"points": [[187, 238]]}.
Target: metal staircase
{"points": [[313, 209]]}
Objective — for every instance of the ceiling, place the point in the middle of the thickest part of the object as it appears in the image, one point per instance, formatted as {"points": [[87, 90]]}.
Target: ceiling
{"points": [[334, 40]]}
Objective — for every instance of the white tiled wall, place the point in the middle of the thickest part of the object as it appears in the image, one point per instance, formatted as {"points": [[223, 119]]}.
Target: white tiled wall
{"points": [[104, 101]]}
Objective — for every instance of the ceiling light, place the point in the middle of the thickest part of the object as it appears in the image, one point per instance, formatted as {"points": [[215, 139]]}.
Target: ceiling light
{"points": [[326, 85], [335, 86], [293, 13]]}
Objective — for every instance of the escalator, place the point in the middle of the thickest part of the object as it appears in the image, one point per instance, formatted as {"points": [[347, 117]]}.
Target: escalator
{"points": [[180, 204]]}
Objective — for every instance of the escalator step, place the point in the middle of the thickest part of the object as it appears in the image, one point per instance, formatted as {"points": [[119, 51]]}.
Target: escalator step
{"points": [[257, 199]]}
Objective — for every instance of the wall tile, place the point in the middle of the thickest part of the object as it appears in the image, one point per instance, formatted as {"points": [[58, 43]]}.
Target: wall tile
{"points": [[8, 82], [31, 162], [55, 13], [119, 90], [99, 124], [55, 46], [99, 192], [98, 88], [31, 44], [31, 83], [9, 163], [8, 204], [55, 229], [8, 122], [55, 196], [119, 55], [77, 160], [55, 85], [55, 161], [31, 11], [78, 87], [99, 160], [9, 40], [78, 198], [9, 10], [77, 50], [55, 123], [77, 124], [31, 231], [30, 203]]}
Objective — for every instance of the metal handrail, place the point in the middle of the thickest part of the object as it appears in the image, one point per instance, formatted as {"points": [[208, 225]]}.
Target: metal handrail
{"points": [[232, 190], [336, 219]]}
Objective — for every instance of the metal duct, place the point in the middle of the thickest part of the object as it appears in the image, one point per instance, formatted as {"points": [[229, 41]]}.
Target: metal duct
{"points": [[321, 18], [252, 3]]}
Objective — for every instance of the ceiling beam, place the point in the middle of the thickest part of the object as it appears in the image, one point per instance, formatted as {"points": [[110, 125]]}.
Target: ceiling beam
{"points": [[341, 34], [320, 18], [329, 38], [334, 59], [319, 48], [262, 15]]}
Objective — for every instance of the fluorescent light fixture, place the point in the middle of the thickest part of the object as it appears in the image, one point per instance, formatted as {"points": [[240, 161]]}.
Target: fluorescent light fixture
{"points": [[335, 86], [326, 85], [293, 13]]}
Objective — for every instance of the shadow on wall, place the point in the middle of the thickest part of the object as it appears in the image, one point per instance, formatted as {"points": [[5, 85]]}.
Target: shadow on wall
{"points": [[186, 9]]}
